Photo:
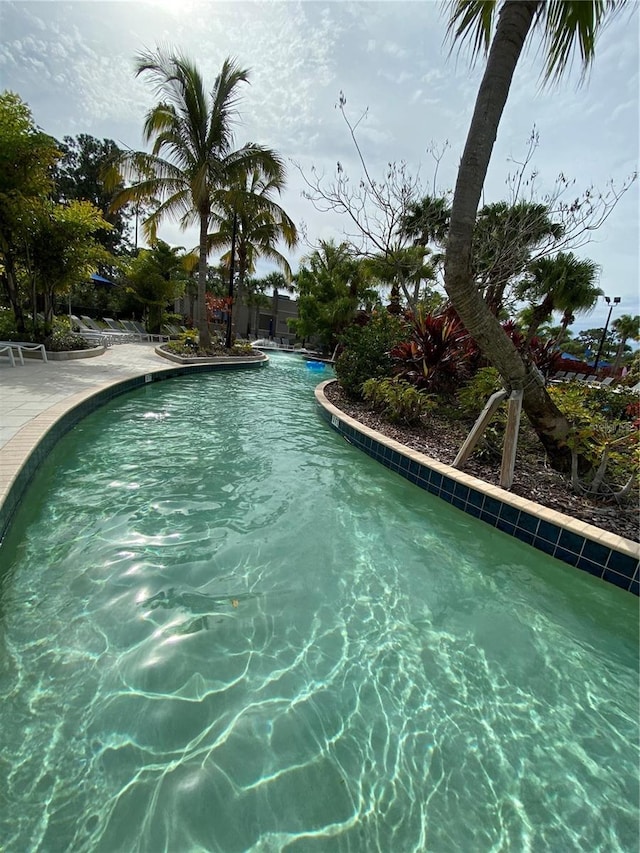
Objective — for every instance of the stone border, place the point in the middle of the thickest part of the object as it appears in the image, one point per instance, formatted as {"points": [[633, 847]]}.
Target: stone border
{"points": [[22, 455], [71, 354], [584, 546], [214, 359]]}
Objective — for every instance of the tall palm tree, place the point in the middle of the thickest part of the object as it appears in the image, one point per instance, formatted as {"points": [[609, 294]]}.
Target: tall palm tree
{"points": [[193, 154], [562, 283], [564, 24], [248, 219], [627, 327]]}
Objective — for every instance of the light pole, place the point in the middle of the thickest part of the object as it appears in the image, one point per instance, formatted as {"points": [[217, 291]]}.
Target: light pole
{"points": [[616, 300]]}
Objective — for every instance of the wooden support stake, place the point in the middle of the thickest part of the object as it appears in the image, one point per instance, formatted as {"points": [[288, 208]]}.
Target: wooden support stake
{"points": [[478, 428], [511, 439]]}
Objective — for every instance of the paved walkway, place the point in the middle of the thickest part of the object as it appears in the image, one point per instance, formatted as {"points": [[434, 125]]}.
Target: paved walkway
{"points": [[36, 395]]}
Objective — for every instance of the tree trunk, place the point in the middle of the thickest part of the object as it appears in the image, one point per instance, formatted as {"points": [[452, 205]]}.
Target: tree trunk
{"points": [[539, 314], [10, 283], [242, 271], [618, 358], [203, 324], [515, 21]]}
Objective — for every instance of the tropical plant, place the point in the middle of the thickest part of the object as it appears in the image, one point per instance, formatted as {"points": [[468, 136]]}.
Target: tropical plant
{"points": [[408, 270], [157, 276], [27, 157], [63, 251], [473, 395], [366, 350], [562, 283], [427, 221], [193, 158], [332, 285], [605, 436], [563, 25], [503, 240], [627, 327], [398, 401], [251, 223], [63, 339], [81, 175], [439, 353]]}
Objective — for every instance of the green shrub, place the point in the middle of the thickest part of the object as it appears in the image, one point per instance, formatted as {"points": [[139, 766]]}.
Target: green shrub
{"points": [[398, 401], [188, 344], [243, 348], [366, 351], [63, 338], [473, 396], [581, 401]]}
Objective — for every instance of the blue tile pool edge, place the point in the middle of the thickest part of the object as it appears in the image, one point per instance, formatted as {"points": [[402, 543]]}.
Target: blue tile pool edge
{"points": [[612, 558], [73, 412]]}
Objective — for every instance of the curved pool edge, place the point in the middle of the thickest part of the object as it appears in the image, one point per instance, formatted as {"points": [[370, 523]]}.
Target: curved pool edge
{"points": [[612, 558], [22, 455]]}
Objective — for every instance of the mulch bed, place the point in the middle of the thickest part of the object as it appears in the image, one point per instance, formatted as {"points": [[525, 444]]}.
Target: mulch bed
{"points": [[441, 439]]}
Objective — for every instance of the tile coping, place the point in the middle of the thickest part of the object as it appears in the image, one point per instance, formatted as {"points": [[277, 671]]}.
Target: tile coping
{"points": [[581, 528]]}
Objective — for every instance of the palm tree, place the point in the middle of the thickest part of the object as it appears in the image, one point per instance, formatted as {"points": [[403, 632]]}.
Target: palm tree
{"points": [[505, 235], [627, 327], [427, 221], [564, 24], [193, 155], [563, 283], [249, 220]]}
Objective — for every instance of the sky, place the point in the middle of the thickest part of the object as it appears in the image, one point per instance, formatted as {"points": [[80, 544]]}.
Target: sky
{"points": [[73, 63]]}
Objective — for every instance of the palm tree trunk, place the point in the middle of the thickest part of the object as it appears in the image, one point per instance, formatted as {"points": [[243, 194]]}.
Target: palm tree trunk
{"points": [[539, 314], [515, 21], [619, 354], [203, 324]]}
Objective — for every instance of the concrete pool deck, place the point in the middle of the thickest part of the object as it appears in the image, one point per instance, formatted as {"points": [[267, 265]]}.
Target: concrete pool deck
{"points": [[33, 397]]}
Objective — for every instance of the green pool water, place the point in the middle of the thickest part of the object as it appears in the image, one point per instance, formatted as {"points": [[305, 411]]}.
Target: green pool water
{"points": [[223, 628]]}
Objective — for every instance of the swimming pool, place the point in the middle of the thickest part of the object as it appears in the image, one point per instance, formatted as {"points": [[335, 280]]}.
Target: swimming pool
{"points": [[223, 628]]}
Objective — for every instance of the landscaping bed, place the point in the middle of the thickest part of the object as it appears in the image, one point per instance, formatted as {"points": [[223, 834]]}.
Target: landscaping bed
{"points": [[441, 437]]}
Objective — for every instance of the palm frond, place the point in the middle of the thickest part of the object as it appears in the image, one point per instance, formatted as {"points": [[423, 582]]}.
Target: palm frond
{"points": [[571, 26], [472, 21]]}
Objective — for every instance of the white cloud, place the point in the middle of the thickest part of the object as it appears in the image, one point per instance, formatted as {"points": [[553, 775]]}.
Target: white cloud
{"points": [[73, 63]]}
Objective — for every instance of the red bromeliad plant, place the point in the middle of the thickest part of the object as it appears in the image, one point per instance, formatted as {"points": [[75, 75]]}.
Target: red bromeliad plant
{"points": [[439, 355]]}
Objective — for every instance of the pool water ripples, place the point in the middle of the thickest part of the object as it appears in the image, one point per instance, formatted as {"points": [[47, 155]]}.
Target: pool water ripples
{"points": [[224, 629]]}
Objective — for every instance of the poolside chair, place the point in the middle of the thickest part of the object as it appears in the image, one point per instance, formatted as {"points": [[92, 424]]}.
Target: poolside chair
{"points": [[21, 347], [138, 329], [172, 331], [97, 338], [116, 337], [6, 350], [114, 326]]}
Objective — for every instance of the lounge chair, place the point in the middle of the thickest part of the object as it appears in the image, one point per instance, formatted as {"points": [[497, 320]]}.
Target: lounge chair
{"points": [[172, 331], [20, 347], [99, 338], [86, 324], [7, 351], [138, 329], [114, 326], [126, 337]]}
